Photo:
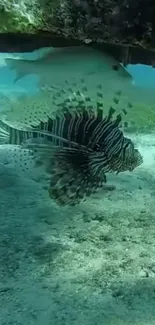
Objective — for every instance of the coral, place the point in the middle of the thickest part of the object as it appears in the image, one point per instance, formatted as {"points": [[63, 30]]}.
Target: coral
{"points": [[19, 16], [129, 23], [126, 29]]}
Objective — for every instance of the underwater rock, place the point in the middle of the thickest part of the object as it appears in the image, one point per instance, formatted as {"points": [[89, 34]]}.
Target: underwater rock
{"points": [[126, 29]]}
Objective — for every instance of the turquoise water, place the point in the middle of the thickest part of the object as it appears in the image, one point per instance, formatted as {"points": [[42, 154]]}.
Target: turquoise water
{"points": [[143, 75], [91, 264]]}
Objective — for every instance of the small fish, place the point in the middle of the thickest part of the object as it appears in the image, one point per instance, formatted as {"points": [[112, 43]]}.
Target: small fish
{"points": [[77, 147]]}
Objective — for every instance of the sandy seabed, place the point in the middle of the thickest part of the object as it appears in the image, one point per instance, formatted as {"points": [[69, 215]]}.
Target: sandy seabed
{"points": [[92, 264]]}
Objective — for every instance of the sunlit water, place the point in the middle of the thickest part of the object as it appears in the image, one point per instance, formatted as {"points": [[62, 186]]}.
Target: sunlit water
{"points": [[92, 264]]}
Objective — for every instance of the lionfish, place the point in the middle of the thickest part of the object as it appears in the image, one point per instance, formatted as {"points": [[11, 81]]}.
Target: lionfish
{"points": [[78, 147]]}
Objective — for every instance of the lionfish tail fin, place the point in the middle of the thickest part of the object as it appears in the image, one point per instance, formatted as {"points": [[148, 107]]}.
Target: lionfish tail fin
{"points": [[4, 133]]}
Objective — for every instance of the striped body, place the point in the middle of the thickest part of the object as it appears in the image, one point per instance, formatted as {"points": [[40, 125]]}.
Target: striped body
{"points": [[99, 135], [87, 146]]}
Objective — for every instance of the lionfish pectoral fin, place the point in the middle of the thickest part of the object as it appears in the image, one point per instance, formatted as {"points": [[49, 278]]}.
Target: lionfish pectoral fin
{"points": [[65, 190], [68, 169], [67, 186], [71, 179]]}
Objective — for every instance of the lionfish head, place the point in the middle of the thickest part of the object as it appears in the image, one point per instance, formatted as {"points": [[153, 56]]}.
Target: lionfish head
{"points": [[130, 157]]}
